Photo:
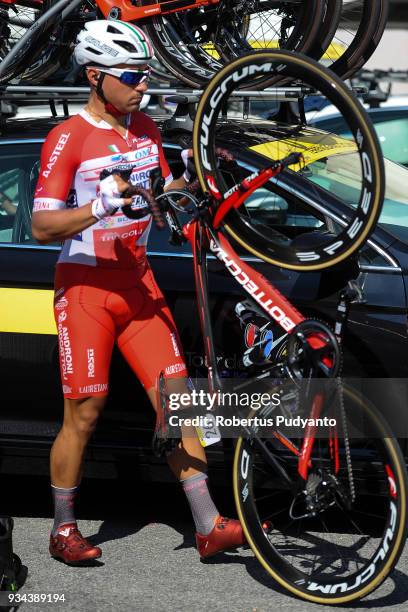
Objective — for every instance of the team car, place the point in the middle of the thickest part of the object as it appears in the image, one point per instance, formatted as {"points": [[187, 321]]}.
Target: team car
{"points": [[376, 335]]}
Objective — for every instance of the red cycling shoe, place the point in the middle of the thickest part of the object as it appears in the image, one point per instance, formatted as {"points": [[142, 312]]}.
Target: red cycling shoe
{"points": [[71, 547], [227, 533]]}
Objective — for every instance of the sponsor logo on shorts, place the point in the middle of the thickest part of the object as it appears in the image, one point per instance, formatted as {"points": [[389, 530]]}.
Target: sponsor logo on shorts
{"points": [[67, 366], [91, 362], [61, 303], [62, 316], [174, 343], [94, 388], [66, 389], [175, 368]]}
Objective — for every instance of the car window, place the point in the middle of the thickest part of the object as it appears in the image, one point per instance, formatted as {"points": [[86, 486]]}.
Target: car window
{"points": [[391, 127], [19, 168], [393, 135], [341, 176], [290, 216]]}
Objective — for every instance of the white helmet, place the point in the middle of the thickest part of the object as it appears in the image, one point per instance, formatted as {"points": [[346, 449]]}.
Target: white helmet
{"points": [[108, 43]]}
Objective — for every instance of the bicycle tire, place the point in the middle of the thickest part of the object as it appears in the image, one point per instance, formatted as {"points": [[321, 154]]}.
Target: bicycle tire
{"points": [[195, 66], [43, 56], [251, 473], [258, 240], [329, 25], [372, 21]]}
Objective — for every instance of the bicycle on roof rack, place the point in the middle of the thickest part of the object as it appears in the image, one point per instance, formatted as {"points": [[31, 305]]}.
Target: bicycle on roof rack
{"points": [[299, 495], [193, 40]]}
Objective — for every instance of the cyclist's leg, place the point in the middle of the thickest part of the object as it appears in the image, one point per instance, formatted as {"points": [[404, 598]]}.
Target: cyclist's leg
{"points": [[80, 418], [151, 345], [85, 339]]}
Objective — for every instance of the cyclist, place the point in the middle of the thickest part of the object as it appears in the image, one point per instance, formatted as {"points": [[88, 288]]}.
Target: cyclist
{"points": [[105, 291]]}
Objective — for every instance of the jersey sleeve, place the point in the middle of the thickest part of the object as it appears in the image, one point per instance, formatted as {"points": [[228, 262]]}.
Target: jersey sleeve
{"points": [[57, 168]]}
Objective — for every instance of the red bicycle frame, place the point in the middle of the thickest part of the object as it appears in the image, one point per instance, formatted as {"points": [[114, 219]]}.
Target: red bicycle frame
{"points": [[130, 11], [206, 239]]}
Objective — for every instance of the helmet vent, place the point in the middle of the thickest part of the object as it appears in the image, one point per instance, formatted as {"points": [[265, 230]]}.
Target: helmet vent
{"points": [[125, 45], [113, 30], [94, 51]]}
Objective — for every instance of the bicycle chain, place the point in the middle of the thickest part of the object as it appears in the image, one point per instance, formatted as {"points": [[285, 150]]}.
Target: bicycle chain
{"points": [[344, 426], [346, 442]]}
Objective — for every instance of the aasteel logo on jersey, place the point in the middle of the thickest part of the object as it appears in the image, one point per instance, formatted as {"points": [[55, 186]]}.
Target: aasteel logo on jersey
{"points": [[91, 362], [252, 288], [59, 147]]}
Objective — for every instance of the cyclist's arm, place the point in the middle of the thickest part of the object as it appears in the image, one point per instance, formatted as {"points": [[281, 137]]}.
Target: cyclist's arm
{"points": [[52, 221], [58, 225], [179, 183]]}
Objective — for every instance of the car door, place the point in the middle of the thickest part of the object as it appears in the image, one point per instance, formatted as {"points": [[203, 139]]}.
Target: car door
{"points": [[28, 349]]}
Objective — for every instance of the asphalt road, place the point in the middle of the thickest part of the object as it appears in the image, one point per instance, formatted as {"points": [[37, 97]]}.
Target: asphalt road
{"points": [[149, 560]]}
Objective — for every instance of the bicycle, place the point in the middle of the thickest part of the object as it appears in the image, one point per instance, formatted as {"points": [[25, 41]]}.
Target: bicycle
{"points": [[321, 481], [193, 41], [184, 35]]}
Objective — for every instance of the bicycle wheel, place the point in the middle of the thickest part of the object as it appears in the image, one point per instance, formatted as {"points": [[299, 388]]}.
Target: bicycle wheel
{"points": [[48, 49], [328, 28], [356, 37], [351, 168], [326, 547], [15, 20], [195, 44]]}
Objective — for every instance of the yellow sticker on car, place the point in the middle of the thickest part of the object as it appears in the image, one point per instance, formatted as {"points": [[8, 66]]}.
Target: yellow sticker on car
{"points": [[27, 311], [310, 147], [333, 53]]}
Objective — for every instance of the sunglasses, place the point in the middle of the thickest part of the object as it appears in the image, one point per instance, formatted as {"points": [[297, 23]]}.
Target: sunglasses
{"points": [[129, 77]]}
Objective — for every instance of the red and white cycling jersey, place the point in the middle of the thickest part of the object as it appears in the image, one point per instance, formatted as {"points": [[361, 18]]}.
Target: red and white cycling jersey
{"points": [[72, 158]]}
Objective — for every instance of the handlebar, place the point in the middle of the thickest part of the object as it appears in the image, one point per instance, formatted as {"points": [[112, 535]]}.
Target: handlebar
{"points": [[292, 159], [157, 185], [152, 203]]}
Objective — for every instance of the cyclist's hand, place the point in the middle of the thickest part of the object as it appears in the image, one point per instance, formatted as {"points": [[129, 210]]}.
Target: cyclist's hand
{"points": [[110, 196]]}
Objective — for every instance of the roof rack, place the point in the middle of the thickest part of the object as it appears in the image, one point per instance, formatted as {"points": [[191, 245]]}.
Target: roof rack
{"points": [[45, 92], [372, 79], [381, 75], [11, 96]]}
